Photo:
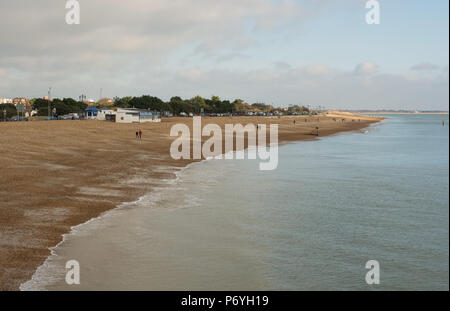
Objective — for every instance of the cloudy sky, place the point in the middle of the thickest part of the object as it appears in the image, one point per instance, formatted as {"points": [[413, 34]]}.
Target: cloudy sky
{"points": [[281, 52]]}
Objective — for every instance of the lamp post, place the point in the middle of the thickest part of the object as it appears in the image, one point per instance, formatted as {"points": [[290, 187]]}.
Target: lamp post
{"points": [[82, 98], [49, 98]]}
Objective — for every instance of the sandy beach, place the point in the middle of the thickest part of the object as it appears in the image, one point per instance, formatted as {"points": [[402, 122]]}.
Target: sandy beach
{"points": [[58, 174]]}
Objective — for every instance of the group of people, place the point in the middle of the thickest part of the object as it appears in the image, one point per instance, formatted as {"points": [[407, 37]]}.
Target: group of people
{"points": [[139, 134]]}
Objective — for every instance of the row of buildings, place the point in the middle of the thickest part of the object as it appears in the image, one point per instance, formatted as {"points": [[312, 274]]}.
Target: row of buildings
{"points": [[15, 101], [107, 113]]}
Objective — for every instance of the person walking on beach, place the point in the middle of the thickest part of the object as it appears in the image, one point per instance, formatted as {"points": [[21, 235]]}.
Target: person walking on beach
{"points": [[137, 134], [140, 134]]}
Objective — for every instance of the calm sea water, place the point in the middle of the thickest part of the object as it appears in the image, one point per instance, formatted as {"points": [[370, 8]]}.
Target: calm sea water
{"points": [[312, 224]]}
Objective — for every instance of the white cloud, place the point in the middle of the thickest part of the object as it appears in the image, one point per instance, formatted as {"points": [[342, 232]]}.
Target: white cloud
{"points": [[318, 69], [188, 47], [366, 68], [337, 89]]}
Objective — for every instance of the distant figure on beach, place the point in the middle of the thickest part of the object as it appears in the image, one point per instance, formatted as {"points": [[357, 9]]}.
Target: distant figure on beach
{"points": [[294, 122], [137, 134], [140, 134]]}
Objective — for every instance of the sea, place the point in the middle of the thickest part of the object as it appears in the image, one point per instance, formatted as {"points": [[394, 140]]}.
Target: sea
{"points": [[331, 206]]}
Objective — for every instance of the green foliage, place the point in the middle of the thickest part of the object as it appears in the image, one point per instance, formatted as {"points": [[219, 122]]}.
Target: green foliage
{"points": [[176, 105], [10, 110], [198, 103], [64, 106], [38, 103], [298, 109], [261, 106], [148, 102], [43, 111], [123, 102]]}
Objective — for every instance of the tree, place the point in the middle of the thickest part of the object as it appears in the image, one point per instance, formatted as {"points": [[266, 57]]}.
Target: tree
{"points": [[198, 103], [76, 106], [260, 106], [147, 102], [176, 99], [39, 103], [240, 106], [123, 102], [64, 106], [10, 110]]}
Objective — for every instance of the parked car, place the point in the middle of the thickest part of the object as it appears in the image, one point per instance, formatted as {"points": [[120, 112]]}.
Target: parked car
{"points": [[17, 118]]}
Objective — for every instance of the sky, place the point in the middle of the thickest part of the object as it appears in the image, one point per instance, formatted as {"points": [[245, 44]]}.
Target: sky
{"points": [[279, 52]]}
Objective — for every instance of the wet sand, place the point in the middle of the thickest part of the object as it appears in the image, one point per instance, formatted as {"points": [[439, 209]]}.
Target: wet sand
{"points": [[58, 174]]}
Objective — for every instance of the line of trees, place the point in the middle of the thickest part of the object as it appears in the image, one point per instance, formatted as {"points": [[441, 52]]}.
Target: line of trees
{"points": [[195, 105], [62, 106]]}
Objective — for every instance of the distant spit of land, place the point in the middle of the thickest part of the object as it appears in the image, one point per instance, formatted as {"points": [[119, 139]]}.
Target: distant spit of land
{"points": [[394, 112]]}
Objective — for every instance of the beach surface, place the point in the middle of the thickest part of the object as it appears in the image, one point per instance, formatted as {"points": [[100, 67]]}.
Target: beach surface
{"points": [[58, 174]]}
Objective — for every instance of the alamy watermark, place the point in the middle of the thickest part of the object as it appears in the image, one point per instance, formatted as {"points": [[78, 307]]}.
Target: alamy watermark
{"points": [[73, 13], [213, 147], [73, 273], [373, 15], [373, 275]]}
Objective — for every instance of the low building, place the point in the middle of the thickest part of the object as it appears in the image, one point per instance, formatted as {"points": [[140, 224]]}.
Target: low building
{"points": [[132, 115], [122, 115]]}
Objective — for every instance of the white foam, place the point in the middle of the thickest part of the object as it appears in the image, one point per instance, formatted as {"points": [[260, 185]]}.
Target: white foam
{"points": [[48, 273]]}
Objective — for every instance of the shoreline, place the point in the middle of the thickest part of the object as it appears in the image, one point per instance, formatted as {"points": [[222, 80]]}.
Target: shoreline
{"points": [[29, 285], [97, 196]]}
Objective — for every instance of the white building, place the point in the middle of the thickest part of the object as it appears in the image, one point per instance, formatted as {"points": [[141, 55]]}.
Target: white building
{"points": [[105, 114], [132, 115]]}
